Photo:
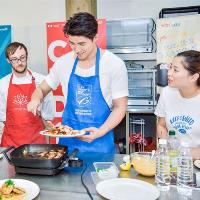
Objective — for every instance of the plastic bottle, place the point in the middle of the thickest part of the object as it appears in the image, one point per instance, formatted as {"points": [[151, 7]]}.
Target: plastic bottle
{"points": [[162, 177], [173, 150], [185, 172]]}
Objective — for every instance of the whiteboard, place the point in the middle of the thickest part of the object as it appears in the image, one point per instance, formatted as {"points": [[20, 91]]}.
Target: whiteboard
{"points": [[175, 35]]}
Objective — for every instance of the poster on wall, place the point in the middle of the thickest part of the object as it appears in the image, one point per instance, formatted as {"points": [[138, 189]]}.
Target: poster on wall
{"points": [[175, 35], [5, 39], [57, 45]]}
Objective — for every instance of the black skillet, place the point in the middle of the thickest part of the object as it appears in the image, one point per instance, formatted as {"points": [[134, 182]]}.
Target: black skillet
{"points": [[18, 156]]}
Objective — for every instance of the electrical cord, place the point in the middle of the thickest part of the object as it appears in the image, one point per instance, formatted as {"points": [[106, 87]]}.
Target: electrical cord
{"points": [[154, 40], [84, 185]]}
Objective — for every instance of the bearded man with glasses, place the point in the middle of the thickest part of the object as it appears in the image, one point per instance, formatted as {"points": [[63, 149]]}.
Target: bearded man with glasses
{"points": [[21, 126]]}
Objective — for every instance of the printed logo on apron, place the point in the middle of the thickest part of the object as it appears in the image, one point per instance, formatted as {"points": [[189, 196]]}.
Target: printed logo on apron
{"points": [[20, 101], [83, 100], [83, 95]]}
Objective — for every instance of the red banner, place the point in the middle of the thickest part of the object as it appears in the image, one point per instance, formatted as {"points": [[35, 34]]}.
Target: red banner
{"points": [[57, 45]]}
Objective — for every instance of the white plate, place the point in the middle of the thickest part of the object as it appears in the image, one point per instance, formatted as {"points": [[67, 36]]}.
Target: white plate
{"points": [[45, 132], [197, 163], [31, 188], [127, 189]]}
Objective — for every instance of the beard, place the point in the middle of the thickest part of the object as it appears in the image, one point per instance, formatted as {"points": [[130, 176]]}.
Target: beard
{"points": [[20, 71]]}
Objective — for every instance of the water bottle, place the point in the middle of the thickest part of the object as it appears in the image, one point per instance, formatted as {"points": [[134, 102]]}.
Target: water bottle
{"points": [[162, 177], [185, 172], [173, 150]]}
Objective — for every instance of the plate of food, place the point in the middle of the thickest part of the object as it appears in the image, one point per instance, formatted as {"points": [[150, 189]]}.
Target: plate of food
{"points": [[18, 189], [62, 131]]}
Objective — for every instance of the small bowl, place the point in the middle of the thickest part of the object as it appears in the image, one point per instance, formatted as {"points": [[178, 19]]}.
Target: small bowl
{"points": [[106, 170], [143, 164]]}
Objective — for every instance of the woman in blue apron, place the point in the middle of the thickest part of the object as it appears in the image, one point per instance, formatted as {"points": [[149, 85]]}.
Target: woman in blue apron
{"points": [[86, 107]]}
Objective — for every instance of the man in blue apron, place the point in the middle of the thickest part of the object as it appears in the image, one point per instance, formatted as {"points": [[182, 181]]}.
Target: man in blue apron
{"points": [[93, 81]]}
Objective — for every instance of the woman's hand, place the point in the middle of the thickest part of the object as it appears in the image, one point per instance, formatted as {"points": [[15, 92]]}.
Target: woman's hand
{"points": [[162, 132], [195, 153], [94, 134], [161, 128]]}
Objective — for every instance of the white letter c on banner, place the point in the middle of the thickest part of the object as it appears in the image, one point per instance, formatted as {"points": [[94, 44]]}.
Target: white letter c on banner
{"points": [[52, 46]]}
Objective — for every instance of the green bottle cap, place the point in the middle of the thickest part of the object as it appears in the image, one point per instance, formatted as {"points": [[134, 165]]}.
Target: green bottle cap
{"points": [[172, 132]]}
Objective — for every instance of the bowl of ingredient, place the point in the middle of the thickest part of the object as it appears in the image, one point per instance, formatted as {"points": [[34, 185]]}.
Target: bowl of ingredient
{"points": [[144, 163], [106, 170]]}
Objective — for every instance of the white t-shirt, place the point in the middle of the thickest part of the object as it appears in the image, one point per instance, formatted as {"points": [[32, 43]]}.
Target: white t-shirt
{"points": [[48, 105], [112, 73], [181, 114]]}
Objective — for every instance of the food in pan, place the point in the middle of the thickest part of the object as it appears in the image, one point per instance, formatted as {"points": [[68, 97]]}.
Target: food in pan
{"points": [[9, 191], [51, 154]]}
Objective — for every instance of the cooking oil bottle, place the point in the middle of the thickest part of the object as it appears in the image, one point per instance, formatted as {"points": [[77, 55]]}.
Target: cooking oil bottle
{"points": [[173, 150]]}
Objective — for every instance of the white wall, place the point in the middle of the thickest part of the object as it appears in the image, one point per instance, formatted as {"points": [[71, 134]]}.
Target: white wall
{"points": [[115, 9], [28, 19]]}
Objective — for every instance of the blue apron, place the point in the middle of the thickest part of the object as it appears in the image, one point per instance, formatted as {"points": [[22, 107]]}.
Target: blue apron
{"points": [[86, 107]]}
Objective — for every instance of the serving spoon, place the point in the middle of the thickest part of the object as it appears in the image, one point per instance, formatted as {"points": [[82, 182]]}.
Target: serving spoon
{"points": [[152, 153]]}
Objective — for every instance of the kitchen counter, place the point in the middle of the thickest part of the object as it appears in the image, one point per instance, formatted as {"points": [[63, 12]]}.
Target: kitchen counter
{"points": [[67, 184]]}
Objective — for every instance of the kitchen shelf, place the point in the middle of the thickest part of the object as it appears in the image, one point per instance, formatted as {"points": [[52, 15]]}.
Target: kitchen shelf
{"points": [[137, 56], [137, 59]]}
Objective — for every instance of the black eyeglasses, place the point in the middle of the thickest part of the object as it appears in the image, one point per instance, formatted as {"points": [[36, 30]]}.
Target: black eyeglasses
{"points": [[16, 60]]}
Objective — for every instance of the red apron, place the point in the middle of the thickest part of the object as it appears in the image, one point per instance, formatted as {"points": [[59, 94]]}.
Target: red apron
{"points": [[21, 126]]}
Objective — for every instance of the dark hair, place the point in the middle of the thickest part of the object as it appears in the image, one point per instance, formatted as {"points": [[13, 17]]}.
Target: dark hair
{"points": [[81, 24], [12, 47], [191, 62]]}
